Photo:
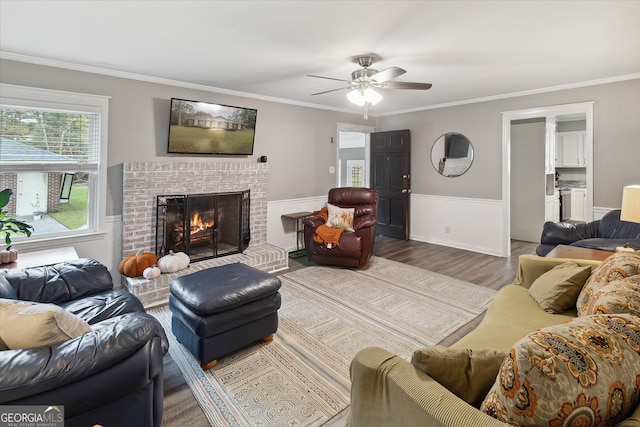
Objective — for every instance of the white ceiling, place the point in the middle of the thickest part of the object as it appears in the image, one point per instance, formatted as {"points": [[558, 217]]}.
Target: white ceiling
{"points": [[467, 49]]}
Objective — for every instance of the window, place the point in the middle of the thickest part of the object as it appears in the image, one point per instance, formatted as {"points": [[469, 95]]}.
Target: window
{"points": [[53, 156], [355, 173]]}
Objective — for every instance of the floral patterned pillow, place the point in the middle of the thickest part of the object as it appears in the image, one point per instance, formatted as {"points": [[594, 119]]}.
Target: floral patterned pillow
{"points": [[617, 266], [340, 217], [584, 372], [620, 296]]}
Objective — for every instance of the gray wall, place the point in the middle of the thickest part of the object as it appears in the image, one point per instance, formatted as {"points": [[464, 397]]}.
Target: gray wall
{"points": [[527, 180], [297, 139], [616, 140]]}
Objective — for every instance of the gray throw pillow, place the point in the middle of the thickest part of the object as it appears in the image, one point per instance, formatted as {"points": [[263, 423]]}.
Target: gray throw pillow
{"points": [[467, 373], [557, 290]]}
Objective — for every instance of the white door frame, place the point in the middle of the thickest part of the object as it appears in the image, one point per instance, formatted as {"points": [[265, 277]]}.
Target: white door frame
{"points": [[555, 110]]}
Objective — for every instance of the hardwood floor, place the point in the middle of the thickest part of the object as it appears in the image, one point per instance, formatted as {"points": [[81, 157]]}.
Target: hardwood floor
{"points": [[180, 408], [485, 270]]}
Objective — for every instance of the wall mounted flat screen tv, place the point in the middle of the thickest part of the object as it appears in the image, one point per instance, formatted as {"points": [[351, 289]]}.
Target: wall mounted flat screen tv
{"points": [[206, 128], [456, 146]]}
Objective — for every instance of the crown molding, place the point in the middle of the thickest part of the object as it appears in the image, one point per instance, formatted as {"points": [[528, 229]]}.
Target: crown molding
{"points": [[521, 93], [169, 82], [159, 80]]}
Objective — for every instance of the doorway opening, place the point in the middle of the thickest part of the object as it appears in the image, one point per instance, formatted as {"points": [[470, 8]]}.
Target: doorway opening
{"points": [[353, 155], [353, 159], [551, 114]]}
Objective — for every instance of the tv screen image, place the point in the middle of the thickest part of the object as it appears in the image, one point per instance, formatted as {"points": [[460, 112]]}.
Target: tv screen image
{"points": [[456, 146], [197, 127]]}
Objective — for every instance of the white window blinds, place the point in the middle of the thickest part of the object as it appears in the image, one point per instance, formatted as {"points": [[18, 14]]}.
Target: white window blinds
{"points": [[45, 139]]}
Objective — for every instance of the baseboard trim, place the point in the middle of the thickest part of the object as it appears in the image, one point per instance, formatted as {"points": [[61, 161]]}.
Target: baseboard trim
{"points": [[457, 245]]}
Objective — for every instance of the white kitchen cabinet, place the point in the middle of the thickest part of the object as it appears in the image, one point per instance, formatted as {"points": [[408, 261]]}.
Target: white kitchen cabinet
{"points": [[570, 150], [578, 204], [552, 207]]}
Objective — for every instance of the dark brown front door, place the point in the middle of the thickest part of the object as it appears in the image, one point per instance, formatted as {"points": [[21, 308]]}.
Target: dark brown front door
{"points": [[390, 175]]}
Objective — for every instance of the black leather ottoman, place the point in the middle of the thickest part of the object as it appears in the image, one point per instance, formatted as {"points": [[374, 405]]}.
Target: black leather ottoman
{"points": [[222, 309]]}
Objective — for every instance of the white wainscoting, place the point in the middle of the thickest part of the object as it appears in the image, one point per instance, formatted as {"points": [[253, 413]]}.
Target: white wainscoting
{"points": [[104, 246], [281, 232], [599, 212], [472, 224], [107, 250]]}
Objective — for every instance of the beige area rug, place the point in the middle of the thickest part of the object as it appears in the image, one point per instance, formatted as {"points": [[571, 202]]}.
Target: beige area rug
{"points": [[328, 314]]}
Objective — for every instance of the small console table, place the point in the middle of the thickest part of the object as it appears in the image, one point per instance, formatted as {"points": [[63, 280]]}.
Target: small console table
{"points": [[566, 251], [41, 258], [300, 249]]}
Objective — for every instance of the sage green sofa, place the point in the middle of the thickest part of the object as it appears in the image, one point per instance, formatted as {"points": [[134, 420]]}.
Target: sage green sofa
{"points": [[388, 390]]}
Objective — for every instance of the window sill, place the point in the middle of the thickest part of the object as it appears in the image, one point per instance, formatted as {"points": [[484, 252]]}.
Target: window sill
{"points": [[57, 241]]}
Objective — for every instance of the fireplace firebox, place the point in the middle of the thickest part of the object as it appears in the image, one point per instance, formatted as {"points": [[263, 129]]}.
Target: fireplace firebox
{"points": [[203, 225]]}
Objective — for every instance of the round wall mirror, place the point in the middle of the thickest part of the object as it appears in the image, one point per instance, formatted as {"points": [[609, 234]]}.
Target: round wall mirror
{"points": [[452, 154]]}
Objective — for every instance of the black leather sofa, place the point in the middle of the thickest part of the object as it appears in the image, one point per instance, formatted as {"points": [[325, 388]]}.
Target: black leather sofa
{"points": [[111, 376], [604, 234]]}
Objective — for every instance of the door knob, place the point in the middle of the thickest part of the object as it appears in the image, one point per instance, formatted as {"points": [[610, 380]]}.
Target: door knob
{"points": [[406, 190], [406, 176]]}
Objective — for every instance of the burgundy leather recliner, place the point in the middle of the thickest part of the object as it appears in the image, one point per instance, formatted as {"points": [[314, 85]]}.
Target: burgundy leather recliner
{"points": [[354, 247]]}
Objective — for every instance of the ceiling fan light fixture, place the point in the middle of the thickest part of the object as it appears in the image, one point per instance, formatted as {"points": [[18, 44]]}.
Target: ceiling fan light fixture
{"points": [[359, 97], [371, 96], [355, 96], [363, 81]]}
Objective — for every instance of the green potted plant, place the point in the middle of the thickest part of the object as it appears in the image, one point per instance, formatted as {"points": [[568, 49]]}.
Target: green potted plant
{"points": [[37, 210], [10, 226]]}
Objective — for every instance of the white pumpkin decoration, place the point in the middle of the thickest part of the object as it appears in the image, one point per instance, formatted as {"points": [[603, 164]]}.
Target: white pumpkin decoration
{"points": [[8, 255], [151, 272], [174, 261]]}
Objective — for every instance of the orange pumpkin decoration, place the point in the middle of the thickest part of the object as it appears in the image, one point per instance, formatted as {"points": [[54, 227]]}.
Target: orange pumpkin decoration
{"points": [[134, 265]]}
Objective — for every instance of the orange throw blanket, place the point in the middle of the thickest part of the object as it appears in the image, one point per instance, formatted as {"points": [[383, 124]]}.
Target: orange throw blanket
{"points": [[322, 213], [326, 235]]}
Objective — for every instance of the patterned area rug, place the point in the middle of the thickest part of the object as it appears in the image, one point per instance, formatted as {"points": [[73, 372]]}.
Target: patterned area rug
{"points": [[327, 315]]}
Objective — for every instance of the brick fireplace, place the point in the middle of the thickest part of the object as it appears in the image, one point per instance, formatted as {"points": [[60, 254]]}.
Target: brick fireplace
{"points": [[142, 184]]}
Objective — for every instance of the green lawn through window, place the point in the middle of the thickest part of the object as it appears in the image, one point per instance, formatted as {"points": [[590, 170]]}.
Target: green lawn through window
{"points": [[73, 215]]}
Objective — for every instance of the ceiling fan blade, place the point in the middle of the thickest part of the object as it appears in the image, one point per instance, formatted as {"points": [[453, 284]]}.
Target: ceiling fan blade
{"points": [[405, 85], [332, 90], [328, 78], [388, 74]]}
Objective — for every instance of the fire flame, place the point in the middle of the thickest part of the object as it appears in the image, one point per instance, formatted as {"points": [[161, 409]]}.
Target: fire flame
{"points": [[198, 224]]}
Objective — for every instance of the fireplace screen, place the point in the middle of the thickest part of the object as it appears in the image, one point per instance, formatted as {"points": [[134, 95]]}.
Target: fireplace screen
{"points": [[203, 225]]}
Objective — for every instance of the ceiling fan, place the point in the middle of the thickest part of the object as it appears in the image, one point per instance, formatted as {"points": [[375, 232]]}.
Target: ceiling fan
{"points": [[364, 80]]}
